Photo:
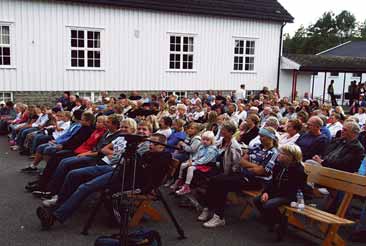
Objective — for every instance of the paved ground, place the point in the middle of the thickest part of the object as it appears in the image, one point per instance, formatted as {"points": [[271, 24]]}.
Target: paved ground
{"points": [[19, 225]]}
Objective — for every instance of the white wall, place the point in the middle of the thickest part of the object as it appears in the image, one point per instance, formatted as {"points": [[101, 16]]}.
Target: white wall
{"points": [[41, 49], [303, 83]]}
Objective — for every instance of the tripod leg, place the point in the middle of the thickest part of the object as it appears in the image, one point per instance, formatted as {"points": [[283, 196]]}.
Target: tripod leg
{"points": [[167, 208], [92, 215]]}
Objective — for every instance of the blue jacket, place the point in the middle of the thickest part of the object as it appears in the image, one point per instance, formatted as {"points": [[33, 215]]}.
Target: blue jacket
{"points": [[74, 128], [174, 139]]}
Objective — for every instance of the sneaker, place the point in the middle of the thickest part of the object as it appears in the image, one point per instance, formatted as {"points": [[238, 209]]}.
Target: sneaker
{"points": [[50, 202], [14, 147], [29, 169], [42, 194], [178, 183], [184, 190], [46, 218], [215, 221], [32, 187], [205, 215]]}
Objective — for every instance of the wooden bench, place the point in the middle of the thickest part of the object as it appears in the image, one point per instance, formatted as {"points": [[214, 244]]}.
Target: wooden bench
{"points": [[329, 224], [143, 203]]}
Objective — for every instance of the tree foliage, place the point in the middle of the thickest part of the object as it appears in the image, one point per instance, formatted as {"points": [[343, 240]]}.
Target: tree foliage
{"points": [[328, 31]]}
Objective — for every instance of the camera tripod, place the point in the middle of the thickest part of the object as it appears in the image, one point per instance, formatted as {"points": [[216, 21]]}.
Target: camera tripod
{"points": [[128, 159]]}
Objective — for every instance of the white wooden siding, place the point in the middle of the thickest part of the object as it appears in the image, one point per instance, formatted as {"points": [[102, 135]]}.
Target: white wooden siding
{"points": [[131, 63]]}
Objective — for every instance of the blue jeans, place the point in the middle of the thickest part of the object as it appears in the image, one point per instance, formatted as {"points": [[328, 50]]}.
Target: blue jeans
{"points": [[78, 185], [64, 167], [362, 223], [47, 149], [39, 138], [23, 134], [269, 209]]}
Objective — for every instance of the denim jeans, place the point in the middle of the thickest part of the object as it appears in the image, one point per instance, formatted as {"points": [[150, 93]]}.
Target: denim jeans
{"points": [[23, 134], [361, 226], [269, 209], [47, 149], [78, 185], [39, 138], [64, 167]]}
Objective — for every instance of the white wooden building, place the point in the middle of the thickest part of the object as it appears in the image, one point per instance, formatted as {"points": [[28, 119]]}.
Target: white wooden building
{"points": [[176, 45]]}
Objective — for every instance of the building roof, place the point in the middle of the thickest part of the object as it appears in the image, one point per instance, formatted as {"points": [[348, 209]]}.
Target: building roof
{"points": [[269, 10], [325, 63], [350, 48]]}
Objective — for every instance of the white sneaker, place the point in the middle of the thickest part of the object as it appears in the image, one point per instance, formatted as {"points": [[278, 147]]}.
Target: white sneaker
{"points": [[215, 221], [204, 216], [50, 202]]}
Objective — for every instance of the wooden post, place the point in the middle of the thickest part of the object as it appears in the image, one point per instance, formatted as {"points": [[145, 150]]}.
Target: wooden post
{"points": [[344, 88], [312, 88], [325, 84], [294, 82]]}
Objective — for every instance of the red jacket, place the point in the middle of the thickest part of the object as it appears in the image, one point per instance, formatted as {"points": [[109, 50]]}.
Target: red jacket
{"points": [[91, 141]]}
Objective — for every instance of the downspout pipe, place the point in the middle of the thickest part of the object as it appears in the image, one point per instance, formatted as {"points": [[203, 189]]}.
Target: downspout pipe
{"points": [[279, 58]]}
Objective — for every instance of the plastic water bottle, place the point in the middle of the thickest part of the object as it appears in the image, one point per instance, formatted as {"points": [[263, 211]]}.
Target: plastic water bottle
{"points": [[362, 170], [300, 200]]}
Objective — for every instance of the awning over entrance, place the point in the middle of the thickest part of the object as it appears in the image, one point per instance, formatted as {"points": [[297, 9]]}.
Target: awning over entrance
{"points": [[322, 63]]}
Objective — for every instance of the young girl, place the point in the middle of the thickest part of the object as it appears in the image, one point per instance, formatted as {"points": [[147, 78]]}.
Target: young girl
{"points": [[190, 144], [205, 155]]}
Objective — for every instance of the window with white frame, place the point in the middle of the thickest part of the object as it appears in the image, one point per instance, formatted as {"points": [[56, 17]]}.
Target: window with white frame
{"points": [[86, 94], [244, 55], [85, 48], [181, 52], [5, 48], [179, 94], [6, 96], [334, 74]]}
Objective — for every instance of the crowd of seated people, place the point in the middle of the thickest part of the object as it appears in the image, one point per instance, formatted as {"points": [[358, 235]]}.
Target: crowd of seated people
{"points": [[235, 143]]}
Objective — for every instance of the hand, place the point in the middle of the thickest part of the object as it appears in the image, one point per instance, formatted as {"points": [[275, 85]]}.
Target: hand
{"points": [[83, 154], [246, 156], [52, 141], [59, 147], [264, 197], [317, 159]]}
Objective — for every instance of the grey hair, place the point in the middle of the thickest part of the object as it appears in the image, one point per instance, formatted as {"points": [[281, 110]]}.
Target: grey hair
{"points": [[272, 122], [354, 127], [230, 126]]}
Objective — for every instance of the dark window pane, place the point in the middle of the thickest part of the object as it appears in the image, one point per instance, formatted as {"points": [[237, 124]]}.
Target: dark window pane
{"points": [[241, 43], [97, 35], [97, 63], [74, 43], [90, 35], [185, 48], [172, 47], [240, 60], [171, 65], [1, 60], [177, 57], [81, 34], [236, 59], [172, 39], [6, 60], [74, 54], [185, 58], [171, 57], [96, 44], [73, 34], [90, 63], [190, 41], [190, 65], [177, 65], [74, 62], [1, 51], [185, 65], [80, 43], [81, 54], [241, 51], [90, 44], [177, 40], [177, 47], [247, 67], [5, 30], [81, 63], [190, 58], [240, 67], [235, 66], [90, 54], [97, 54], [6, 51], [185, 40]]}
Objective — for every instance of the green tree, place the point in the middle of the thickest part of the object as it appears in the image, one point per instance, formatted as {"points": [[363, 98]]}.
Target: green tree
{"points": [[346, 24], [362, 30]]}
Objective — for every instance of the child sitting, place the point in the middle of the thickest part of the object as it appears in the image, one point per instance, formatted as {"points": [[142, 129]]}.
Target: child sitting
{"points": [[205, 155], [190, 144]]}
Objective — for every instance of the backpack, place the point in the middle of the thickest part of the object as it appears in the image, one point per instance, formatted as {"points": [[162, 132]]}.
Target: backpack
{"points": [[141, 237]]}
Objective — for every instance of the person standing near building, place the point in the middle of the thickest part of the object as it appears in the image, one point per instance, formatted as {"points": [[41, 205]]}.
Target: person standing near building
{"points": [[331, 93], [241, 93]]}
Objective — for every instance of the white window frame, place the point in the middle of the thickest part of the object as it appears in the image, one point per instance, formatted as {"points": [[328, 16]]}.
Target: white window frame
{"points": [[85, 48], [5, 99], [244, 55], [82, 94], [178, 94], [181, 52], [11, 45]]}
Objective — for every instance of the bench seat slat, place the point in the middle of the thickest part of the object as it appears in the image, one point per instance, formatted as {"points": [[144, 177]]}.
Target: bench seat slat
{"points": [[319, 215]]}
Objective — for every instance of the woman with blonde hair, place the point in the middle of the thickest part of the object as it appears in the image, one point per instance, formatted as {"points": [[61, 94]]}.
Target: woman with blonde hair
{"points": [[288, 177]]}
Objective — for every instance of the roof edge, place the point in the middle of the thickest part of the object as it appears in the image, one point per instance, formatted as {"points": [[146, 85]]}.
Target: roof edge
{"points": [[333, 48]]}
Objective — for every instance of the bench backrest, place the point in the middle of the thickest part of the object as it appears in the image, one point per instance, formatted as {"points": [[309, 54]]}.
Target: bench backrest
{"points": [[338, 180]]}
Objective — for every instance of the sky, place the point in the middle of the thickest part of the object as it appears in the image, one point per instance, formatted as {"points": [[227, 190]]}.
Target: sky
{"points": [[306, 12]]}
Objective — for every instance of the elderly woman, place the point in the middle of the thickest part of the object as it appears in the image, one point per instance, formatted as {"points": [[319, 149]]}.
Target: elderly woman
{"points": [[288, 177], [293, 128], [256, 169]]}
